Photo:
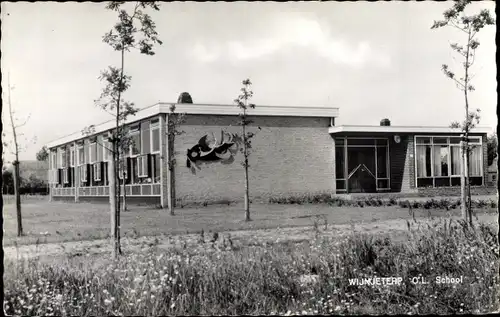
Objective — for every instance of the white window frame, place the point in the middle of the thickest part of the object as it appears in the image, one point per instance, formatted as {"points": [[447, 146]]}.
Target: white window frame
{"points": [[142, 166], [346, 145], [60, 160], [91, 161], [83, 174], [152, 127], [66, 175], [97, 171], [450, 145], [135, 131], [72, 156]]}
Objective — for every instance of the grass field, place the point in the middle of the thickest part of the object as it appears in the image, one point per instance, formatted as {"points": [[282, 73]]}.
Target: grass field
{"points": [[57, 222]]}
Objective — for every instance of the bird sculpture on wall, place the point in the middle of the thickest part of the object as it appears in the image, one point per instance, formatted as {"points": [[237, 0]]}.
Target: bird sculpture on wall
{"points": [[209, 150]]}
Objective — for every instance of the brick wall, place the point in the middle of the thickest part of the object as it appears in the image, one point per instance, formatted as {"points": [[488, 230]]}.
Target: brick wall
{"points": [[402, 162], [290, 156]]}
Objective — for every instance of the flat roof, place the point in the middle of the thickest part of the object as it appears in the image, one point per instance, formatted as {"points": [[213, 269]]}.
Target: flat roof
{"points": [[401, 129], [205, 109]]}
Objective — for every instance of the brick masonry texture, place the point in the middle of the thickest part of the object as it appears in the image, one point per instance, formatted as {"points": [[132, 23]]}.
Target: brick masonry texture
{"points": [[289, 156]]}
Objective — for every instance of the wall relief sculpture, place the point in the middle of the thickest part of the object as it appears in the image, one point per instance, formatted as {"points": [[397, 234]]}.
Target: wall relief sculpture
{"points": [[210, 150]]}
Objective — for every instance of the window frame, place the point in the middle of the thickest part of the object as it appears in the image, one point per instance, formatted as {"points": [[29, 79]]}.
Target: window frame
{"points": [[478, 142], [154, 125]]}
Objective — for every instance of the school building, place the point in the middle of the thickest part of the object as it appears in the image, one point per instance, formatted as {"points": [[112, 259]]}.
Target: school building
{"points": [[295, 151]]}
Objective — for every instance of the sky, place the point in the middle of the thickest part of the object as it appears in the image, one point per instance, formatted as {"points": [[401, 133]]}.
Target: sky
{"points": [[372, 60]]}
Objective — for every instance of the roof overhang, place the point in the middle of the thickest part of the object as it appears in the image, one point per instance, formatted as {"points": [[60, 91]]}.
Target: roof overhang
{"points": [[205, 109], [402, 129]]}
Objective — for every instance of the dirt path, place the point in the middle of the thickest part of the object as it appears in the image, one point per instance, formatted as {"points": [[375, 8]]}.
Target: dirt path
{"points": [[239, 238]]}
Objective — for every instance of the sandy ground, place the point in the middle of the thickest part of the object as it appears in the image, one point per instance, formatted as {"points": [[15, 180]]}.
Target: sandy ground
{"points": [[239, 238]]}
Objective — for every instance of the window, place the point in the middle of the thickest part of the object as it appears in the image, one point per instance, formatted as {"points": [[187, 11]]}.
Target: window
{"points": [[106, 149], [63, 158], [86, 151], [93, 152], [100, 146], [60, 162], [81, 155], [97, 171], [66, 176], [439, 161], [155, 136], [157, 169], [475, 161], [135, 140], [382, 162], [53, 161], [142, 166], [72, 157], [145, 138], [83, 173], [123, 169]]}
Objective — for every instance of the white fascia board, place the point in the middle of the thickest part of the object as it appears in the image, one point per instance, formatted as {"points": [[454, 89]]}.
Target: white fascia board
{"points": [[233, 110], [402, 129]]}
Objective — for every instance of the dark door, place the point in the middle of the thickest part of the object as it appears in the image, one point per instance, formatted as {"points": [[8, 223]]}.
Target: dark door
{"points": [[361, 168]]}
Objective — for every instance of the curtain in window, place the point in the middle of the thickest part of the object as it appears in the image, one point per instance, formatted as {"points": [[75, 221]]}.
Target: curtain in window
{"points": [[437, 161], [421, 160], [475, 161], [455, 160]]}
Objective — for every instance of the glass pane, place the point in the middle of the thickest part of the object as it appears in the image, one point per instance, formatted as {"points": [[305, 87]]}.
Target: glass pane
{"points": [[442, 181], [93, 153], [156, 140], [423, 140], [474, 140], [440, 140], [455, 160], [382, 162], [382, 142], [424, 182], [441, 160], [145, 141], [341, 185], [382, 183], [157, 168], [339, 141], [136, 143], [476, 181], [424, 161], [475, 161], [86, 149], [455, 181], [360, 142], [455, 140], [339, 162]]}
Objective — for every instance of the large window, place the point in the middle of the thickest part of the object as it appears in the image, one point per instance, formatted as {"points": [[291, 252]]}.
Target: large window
{"points": [[93, 152], [81, 155], [372, 152], [145, 138], [135, 135], [155, 136], [438, 161]]}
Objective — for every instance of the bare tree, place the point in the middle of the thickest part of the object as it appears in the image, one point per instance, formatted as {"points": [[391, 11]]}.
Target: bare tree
{"points": [[15, 150], [123, 39], [242, 101], [469, 25], [173, 123]]}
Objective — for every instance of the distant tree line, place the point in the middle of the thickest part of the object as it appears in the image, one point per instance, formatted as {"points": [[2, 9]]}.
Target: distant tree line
{"points": [[28, 185]]}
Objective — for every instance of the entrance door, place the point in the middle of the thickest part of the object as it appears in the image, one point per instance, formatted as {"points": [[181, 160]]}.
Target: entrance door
{"points": [[361, 170]]}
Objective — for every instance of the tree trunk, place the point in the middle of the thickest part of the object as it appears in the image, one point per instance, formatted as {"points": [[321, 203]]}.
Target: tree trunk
{"points": [[124, 184], [17, 180], [247, 190], [463, 205], [112, 201]]}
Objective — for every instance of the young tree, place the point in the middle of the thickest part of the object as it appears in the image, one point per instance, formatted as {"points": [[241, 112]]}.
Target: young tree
{"points": [[469, 25], [122, 38], [43, 154], [173, 122], [243, 103], [15, 150]]}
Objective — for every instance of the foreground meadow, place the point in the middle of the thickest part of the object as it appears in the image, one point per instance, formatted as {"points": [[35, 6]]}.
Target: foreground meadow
{"points": [[307, 277]]}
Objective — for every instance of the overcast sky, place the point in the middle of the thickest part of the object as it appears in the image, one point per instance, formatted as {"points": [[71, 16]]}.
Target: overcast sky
{"points": [[371, 60]]}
